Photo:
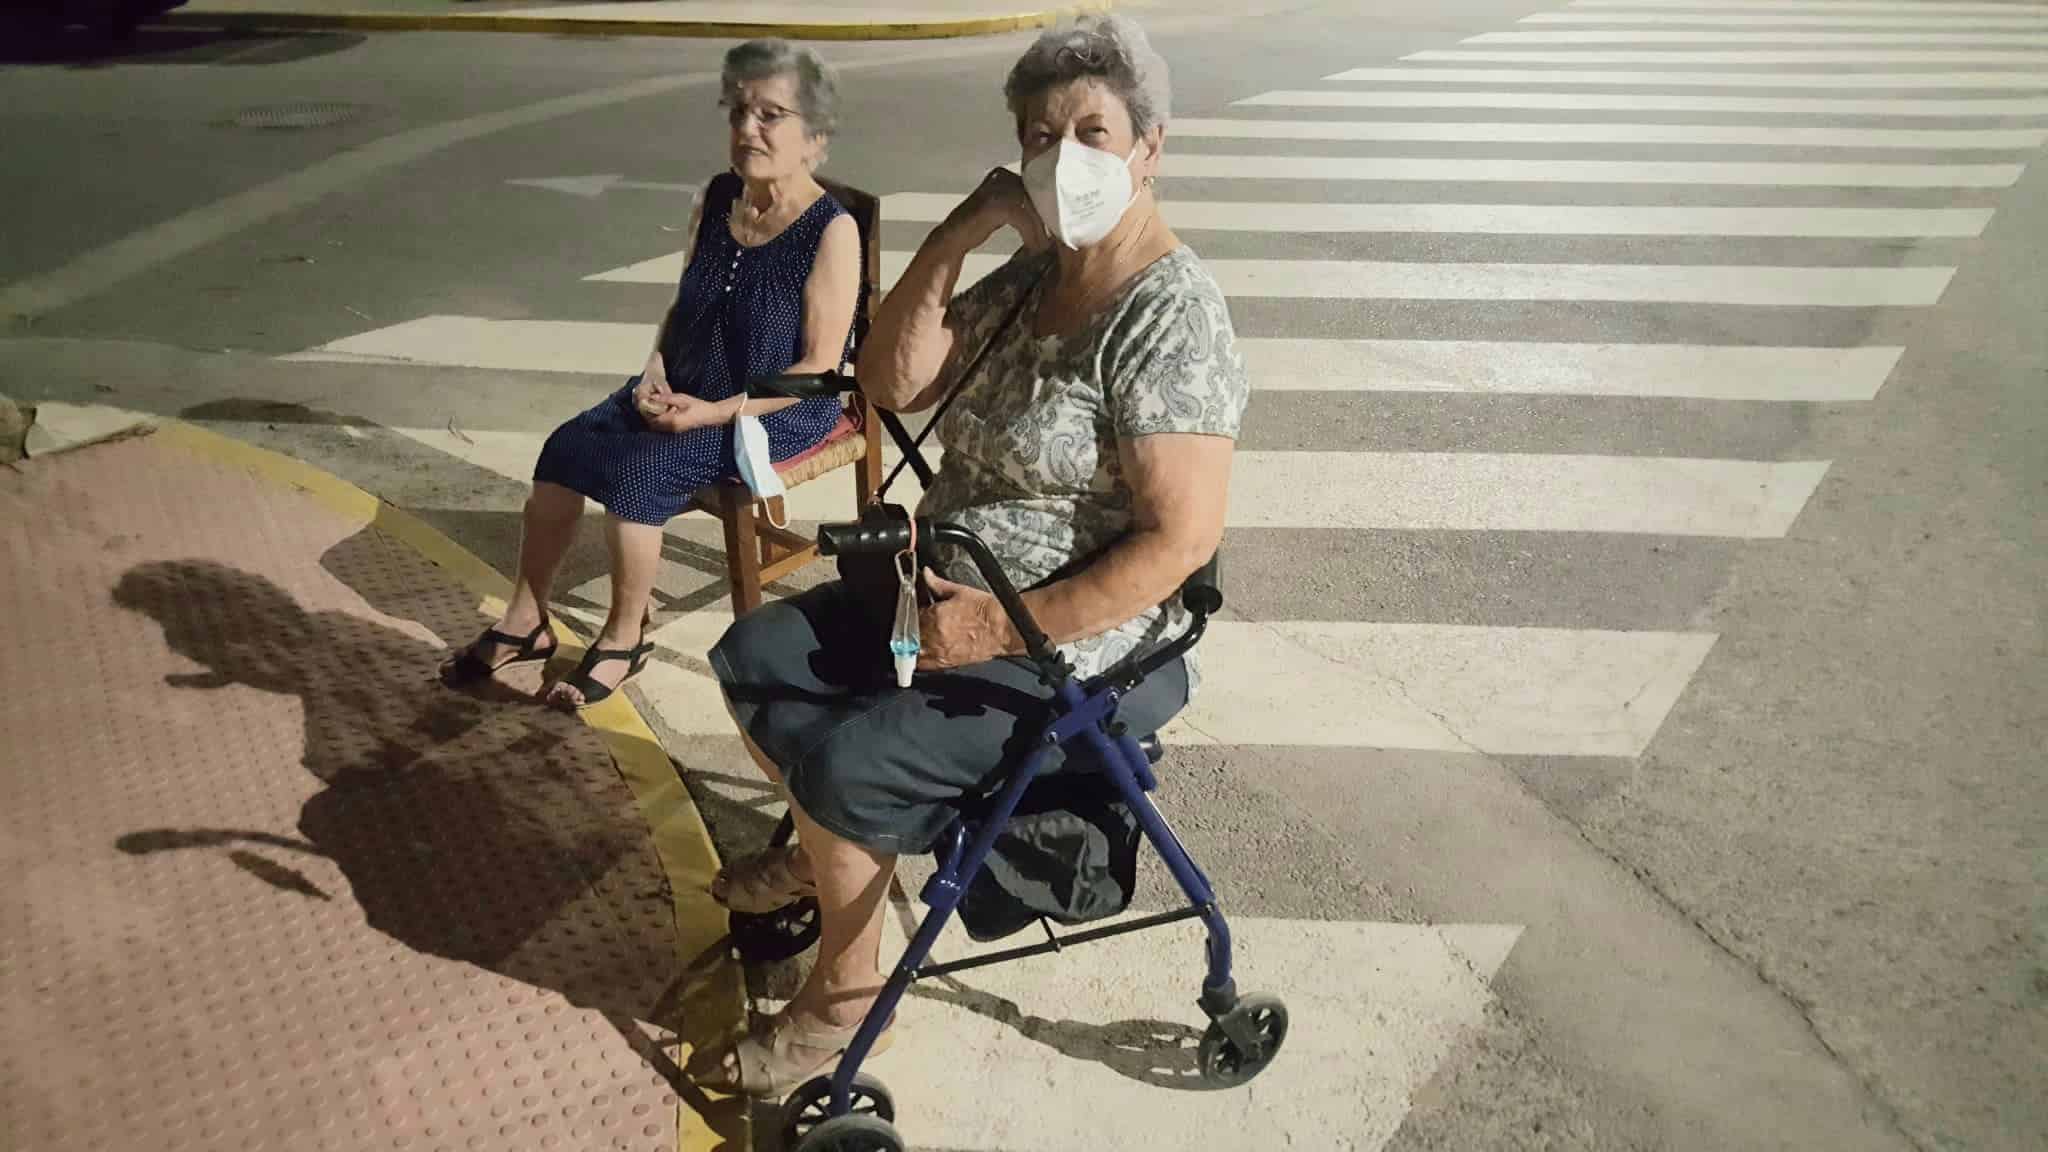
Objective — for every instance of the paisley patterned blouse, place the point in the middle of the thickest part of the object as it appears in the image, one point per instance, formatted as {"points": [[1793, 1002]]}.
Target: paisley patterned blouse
{"points": [[1031, 462]]}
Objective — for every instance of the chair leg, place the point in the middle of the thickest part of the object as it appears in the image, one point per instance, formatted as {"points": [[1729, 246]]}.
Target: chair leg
{"points": [[742, 549], [867, 474]]}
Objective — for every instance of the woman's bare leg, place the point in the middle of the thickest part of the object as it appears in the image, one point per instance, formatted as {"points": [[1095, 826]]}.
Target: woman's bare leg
{"points": [[852, 882], [636, 559], [546, 532]]}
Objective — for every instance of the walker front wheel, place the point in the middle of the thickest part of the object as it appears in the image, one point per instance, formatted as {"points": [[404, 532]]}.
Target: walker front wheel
{"points": [[1227, 1063], [808, 1111], [851, 1134]]}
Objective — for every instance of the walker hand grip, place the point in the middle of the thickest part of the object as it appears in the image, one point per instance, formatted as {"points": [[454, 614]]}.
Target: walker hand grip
{"points": [[1201, 593], [800, 385], [863, 537]]}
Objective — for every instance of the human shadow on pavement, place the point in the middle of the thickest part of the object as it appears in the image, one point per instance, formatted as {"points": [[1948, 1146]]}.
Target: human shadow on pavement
{"points": [[367, 453], [476, 827]]}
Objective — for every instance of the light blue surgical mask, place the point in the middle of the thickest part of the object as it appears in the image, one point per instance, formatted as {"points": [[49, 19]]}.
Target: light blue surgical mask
{"points": [[757, 466]]}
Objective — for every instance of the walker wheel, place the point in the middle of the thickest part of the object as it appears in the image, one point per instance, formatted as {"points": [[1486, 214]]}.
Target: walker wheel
{"points": [[808, 1112], [772, 937], [1227, 1065], [850, 1134]]}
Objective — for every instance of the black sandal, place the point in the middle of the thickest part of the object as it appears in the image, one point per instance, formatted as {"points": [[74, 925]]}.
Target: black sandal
{"points": [[593, 692], [468, 667]]}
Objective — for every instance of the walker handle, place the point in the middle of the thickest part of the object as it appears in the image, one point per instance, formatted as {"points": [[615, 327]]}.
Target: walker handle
{"points": [[800, 385], [888, 537]]}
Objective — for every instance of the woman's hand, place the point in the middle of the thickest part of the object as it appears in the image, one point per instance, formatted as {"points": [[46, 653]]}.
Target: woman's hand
{"points": [[649, 393], [963, 625], [1001, 202], [675, 412]]}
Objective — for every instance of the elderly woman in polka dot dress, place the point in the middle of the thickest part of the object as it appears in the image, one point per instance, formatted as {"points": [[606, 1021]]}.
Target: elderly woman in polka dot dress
{"points": [[770, 286]]}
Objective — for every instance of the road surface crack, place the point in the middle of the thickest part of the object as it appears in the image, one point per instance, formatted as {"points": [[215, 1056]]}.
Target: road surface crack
{"points": [[1893, 1118], [1393, 682]]}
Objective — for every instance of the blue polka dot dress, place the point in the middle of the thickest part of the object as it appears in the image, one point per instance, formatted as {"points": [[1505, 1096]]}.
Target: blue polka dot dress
{"points": [[738, 317]]}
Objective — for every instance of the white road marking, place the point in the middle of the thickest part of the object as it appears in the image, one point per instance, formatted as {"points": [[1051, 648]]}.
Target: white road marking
{"points": [[1525, 219], [1960, 21], [1778, 135], [1654, 102], [1301, 683], [1842, 56], [1781, 38], [1882, 80], [1904, 6], [1670, 371], [1831, 287], [1095, 1049]]}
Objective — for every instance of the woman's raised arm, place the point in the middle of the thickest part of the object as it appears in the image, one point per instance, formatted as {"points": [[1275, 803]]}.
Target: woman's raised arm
{"points": [[903, 360]]}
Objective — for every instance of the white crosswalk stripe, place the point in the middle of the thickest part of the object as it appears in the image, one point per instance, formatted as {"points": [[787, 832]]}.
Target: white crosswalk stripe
{"points": [[1527, 219], [1784, 287], [1766, 135], [1839, 56], [1496, 171], [1898, 6], [1654, 102], [1413, 491], [1702, 371], [1723, 291], [1887, 80], [1716, 36], [1779, 19]]}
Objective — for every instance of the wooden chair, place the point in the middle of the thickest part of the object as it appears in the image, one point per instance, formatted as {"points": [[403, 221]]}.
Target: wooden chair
{"points": [[756, 551]]}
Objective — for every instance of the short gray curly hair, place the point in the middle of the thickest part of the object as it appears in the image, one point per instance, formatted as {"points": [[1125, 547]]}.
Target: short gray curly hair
{"points": [[817, 90], [1112, 49]]}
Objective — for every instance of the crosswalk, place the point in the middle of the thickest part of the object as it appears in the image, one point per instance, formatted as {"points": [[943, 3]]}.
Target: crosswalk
{"points": [[1714, 175]]}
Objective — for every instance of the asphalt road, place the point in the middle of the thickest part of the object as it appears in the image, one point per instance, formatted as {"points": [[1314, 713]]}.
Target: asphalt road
{"points": [[1747, 787]]}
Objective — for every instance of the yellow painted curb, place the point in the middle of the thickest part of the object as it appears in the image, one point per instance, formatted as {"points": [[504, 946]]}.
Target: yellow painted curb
{"points": [[687, 29], [713, 1004]]}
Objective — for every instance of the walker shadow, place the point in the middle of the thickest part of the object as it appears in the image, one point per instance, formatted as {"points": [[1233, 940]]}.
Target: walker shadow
{"points": [[1158, 1053], [473, 827]]}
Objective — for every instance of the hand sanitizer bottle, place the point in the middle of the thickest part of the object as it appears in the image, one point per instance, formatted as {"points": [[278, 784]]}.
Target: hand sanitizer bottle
{"points": [[903, 640]]}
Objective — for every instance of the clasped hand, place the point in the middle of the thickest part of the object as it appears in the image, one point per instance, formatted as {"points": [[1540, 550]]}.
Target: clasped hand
{"points": [[666, 411]]}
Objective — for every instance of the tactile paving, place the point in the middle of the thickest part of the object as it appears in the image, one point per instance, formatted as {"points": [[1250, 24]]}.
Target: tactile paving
{"points": [[269, 885]]}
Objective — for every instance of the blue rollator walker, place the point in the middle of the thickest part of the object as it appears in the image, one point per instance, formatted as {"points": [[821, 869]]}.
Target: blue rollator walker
{"points": [[851, 1112]]}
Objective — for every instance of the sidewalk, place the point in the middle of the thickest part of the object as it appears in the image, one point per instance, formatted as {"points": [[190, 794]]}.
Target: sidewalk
{"points": [[813, 20], [273, 886]]}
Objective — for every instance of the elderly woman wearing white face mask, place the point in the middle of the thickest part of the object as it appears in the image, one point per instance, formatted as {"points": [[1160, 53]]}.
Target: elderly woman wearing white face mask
{"points": [[770, 285], [1091, 451]]}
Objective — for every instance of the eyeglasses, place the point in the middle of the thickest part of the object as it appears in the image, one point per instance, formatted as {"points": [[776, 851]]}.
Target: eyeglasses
{"points": [[769, 115]]}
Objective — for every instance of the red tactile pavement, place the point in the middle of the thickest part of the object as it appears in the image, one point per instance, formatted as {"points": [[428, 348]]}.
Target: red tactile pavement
{"points": [[267, 885]]}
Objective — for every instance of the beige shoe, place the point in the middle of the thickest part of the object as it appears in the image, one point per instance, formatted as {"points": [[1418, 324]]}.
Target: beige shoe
{"points": [[779, 1054], [762, 883]]}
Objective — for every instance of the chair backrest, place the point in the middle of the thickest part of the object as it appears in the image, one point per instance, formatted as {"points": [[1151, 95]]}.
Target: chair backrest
{"points": [[866, 210]]}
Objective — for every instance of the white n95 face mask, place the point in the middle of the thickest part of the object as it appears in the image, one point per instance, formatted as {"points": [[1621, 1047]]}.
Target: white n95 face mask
{"points": [[750, 452], [1080, 192]]}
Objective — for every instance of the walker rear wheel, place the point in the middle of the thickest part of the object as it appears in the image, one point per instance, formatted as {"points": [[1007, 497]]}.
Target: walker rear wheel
{"points": [[772, 937]]}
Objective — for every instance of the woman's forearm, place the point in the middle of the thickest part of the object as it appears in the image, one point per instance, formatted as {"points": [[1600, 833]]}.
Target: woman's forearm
{"points": [[729, 409], [1132, 578], [907, 346]]}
